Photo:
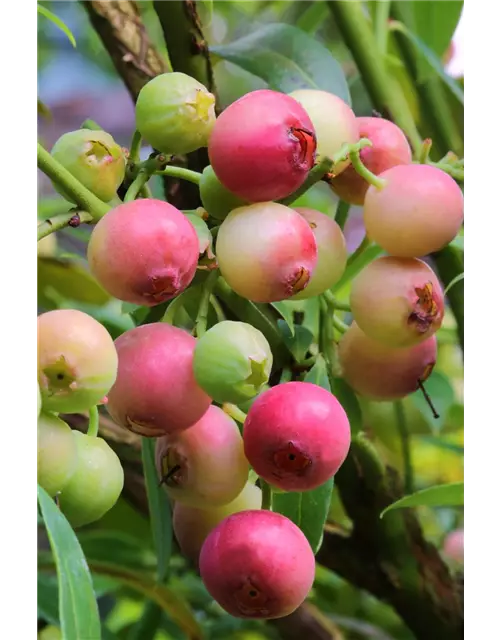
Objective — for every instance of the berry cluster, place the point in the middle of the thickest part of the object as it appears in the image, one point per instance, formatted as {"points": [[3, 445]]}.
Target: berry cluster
{"points": [[163, 383]]}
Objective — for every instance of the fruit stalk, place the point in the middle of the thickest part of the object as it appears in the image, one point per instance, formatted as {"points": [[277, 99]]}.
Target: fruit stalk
{"points": [[83, 197], [201, 318], [180, 172], [352, 23], [62, 220], [93, 429]]}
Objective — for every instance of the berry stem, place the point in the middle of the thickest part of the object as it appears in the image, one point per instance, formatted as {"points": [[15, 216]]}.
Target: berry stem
{"points": [[405, 446], [84, 198], [342, 213], [425, 150], [315, 175], [267, 495], [355, 265], [93, 429], [363, 245], [137, 185], [327, 344], [365, 173], [339, 325], [60, 221], [202, 317], [334, 303], [179, 172], [234, 412], [135, 147], [219, 311]]}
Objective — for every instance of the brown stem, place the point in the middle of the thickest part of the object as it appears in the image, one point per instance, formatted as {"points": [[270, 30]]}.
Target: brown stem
{"points": [[120, 27], [390, 557]]}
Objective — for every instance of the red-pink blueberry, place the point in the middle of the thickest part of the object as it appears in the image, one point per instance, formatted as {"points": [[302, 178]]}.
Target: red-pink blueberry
{"points": [[257, 564], [262, 146], [155, 390], [144, 252], [296, 436]]}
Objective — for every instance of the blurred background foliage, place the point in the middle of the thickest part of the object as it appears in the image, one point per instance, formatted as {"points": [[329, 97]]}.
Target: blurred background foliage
{"points": [[79, 83]]}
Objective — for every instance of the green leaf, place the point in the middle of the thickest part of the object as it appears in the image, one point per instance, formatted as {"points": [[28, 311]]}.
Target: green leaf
{"points": [[348, 399], [435, 23], [47, 597], [286, 312], [118, 547], [58, 22], [443, 495], [432, 59], [318, 374], [159, 509], [287, 59], [299, 343], [60, 279], [78, 610], [453, 282], [441, 393], [307, 509]]}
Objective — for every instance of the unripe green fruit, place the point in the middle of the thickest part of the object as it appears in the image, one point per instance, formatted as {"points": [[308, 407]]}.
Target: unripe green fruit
{"points": [[175, 113], [192, 525], [232, 362], [56, 453], [77, 361], [96, 484], [334, 122], [216, 199], [332, 253], [94, 158], [46, 247]]}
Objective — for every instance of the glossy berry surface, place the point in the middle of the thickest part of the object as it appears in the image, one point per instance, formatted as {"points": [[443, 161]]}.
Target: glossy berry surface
{"points": [[56, 453], [296, 436], [262, 146], [257, 564]]}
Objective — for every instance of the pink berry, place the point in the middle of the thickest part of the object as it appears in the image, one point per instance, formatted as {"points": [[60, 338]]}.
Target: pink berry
{"points": [[453, 546], [419, 211], [155, 391], [296, 436], [192, 525], [389, 148], [332, 253], [204, 465], [266, 251], [397, 301], [144, 252], [262, 146], [257, 564], [379, 372]]}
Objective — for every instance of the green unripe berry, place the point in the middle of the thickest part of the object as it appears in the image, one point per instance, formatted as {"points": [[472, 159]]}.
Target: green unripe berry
{"points": [[96, 484], [216, 199], [56, 453], [50, 633], [94, 158], [175, 113], [232, 362]]}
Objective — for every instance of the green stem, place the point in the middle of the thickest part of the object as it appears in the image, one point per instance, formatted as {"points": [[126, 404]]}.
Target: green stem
{"points": [[234, 412], [267, 495], [342, 213], [365, 243], [356, 31], [382, 25], [56, 223], [334, 303], [93, 429], [364, 172], [327, 345], [202, 317], [358, 263], [135, 147], [405, 446], [425, 150], [90, 124], [219, 311], [315, 175], [180, 172], [339, 325], [84, 198], [137, 185]]}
